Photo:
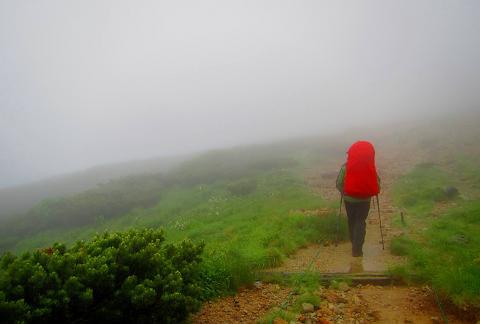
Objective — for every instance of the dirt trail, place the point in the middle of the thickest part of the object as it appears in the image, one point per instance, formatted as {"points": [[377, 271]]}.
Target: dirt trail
{"points": [[361, 304], [337, 259], [375, 304], [246, 307]]}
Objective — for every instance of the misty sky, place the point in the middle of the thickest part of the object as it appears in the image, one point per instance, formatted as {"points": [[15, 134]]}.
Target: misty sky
{"points": [[89, 82]]}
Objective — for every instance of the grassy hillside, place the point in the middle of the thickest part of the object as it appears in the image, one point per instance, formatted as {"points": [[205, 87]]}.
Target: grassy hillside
{"points": [[244, 229], [247, 204], [441, 237], [19, 199], [441, 201], [90, 207], [233, 170]]}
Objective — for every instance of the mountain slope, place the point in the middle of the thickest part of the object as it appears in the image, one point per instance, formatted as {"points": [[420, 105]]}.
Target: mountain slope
{"points": [[17, 200]]}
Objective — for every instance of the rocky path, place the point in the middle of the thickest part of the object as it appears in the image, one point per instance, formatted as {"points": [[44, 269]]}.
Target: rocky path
{"points": [[355, 305], [375, 304], [246, 307], [360, 304]]}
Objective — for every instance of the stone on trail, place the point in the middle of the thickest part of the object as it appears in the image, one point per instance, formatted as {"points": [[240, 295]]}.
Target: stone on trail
{"points": [[308, 308], [342, 300], [279, 320], [435, 320], [450, 192], [375, 315], [323, 321], [343, 286], [356, 300]]}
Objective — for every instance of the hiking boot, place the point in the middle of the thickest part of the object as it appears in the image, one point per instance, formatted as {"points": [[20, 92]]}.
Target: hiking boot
{"points": [[356, 265], [357, 254]]}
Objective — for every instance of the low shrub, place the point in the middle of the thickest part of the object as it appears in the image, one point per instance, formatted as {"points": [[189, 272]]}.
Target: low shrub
{"points": [[116, 277]]}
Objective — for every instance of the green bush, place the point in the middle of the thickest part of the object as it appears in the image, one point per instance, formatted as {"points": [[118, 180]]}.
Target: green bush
{"points": [[117, 277]]}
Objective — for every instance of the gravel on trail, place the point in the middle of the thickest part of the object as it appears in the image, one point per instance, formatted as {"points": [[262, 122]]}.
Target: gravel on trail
{"points": [[247, 306], [377, 304], [355, 305]]}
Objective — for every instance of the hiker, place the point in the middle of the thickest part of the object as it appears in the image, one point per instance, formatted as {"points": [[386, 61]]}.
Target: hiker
{"points": [[358, 182]]}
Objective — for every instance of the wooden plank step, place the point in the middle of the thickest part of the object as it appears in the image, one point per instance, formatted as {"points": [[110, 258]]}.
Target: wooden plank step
{"points": [[363, 278]]}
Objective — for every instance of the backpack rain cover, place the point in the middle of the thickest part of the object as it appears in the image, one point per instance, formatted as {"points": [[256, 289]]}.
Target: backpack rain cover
{"points": [[361, 174]]}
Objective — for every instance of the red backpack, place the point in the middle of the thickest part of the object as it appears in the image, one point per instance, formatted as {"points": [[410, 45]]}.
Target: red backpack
{"points": [[361, 174]]}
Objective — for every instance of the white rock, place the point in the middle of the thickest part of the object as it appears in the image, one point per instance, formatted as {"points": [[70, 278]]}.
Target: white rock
{"points": [[308, 308]]}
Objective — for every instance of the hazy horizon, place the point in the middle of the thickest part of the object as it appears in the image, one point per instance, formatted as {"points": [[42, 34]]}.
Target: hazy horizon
{"points": [[265, 141], [96, 82]]}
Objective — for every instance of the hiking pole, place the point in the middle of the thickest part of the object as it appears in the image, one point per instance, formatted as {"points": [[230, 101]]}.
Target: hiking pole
{"points": [[380, 219], [338, 219]]}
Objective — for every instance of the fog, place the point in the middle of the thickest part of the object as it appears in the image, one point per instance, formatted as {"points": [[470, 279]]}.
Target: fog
{"points": [[92, 82]]}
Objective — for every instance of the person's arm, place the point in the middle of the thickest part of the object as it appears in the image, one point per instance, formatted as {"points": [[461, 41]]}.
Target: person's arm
{"points": [[341, 179]]}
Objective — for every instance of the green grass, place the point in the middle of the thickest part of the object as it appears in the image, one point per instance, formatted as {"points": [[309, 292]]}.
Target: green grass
{"points": [[244, 229], [449, 256], [270, 317], [442, 248], [421, 189], [305, 289], [466, 169]]}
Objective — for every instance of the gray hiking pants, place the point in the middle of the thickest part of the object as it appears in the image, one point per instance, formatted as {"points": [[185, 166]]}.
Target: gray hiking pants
{"points": [[357, 213]]}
